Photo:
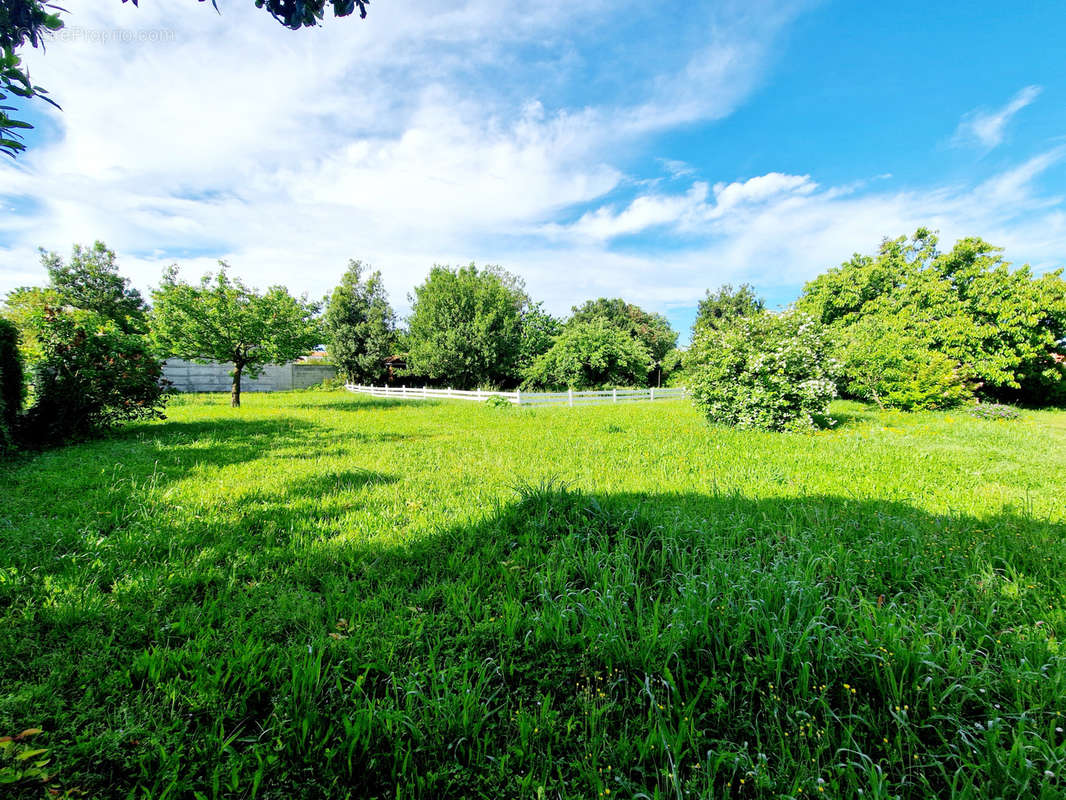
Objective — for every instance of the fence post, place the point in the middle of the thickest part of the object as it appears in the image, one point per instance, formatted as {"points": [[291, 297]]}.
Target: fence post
{"points": [[653, 393], [570, 396], [423, 391], [518, 397], [614, 395], [479, 394], [449, 391]]}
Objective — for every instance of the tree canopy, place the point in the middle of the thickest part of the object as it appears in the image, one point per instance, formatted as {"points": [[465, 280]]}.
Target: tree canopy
{"points": [[1000, 326], [539, 329], [465, 327], [91, 281], [652, 330], [717, 309], [592, 354], [360, 325], [221, 319]]}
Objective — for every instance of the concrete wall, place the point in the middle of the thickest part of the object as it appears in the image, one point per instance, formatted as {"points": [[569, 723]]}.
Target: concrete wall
{"points": [[188, 376]]}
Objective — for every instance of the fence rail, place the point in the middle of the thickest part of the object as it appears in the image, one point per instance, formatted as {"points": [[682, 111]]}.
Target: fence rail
{"points": [[520, 398]]}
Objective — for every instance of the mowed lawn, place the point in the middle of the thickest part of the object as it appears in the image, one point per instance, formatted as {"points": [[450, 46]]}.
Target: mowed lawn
{"points": [[323, 595]]}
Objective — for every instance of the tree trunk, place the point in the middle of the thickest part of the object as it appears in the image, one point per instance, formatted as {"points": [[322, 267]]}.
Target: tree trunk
{"points": [[235, 392]]}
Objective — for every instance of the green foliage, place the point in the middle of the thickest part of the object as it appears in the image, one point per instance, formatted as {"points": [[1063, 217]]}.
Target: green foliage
{"points": [[21, 22], [12, 382], [307, 13], [539, 329], [673, 368], [326, 385], [223, 320], [360, 326], [593, 354], [23, 765], [769, 371], [720, 308], [232, 606], [495, 401], [91, 281], [884, 361], [465, 328], [92, 376], [652, 330], [26, 307], [1002, 326]]}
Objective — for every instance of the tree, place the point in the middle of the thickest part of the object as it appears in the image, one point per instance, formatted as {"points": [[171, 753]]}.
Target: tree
{"points": [[652, 330], [539, 329], [360, 325], [465, 327], [591, 355], [885, 362], [769, 371], [30, 21], [719, 308], [221, 319], [1003, 327], [91, 282]]}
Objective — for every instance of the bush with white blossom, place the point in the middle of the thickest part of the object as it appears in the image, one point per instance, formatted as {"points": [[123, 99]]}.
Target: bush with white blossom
{"points": [[768, 371]]}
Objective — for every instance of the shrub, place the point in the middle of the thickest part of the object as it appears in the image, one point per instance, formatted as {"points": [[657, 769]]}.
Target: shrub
{"points": [[884, 362], [769, 371], [12, 385], [591, 355], [92, 376], [495, 401]]}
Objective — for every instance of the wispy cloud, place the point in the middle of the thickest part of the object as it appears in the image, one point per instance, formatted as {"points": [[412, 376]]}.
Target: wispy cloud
{"points": [[781, 230], [987, 128]]}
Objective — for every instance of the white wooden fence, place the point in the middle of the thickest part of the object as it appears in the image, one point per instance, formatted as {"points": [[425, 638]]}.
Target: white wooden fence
{"points": [[519, 398]]}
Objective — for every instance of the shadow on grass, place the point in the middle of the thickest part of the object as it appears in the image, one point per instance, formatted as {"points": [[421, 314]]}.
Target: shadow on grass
{"points": [[574, 641]]}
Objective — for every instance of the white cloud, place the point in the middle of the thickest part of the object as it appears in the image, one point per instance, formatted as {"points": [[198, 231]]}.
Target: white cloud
{"points": [[782, 230], [412, 137], [987, 128], [684, 213]]}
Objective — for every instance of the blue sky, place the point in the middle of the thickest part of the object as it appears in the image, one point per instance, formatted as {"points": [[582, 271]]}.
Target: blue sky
{"points": [[649, 151]]}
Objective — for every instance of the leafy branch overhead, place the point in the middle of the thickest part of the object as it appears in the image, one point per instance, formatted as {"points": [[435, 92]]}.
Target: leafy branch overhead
{"points": [[298, 14]]}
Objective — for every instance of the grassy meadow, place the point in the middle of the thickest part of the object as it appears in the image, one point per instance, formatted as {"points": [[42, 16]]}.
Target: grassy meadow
{"points": [[325, 595]]}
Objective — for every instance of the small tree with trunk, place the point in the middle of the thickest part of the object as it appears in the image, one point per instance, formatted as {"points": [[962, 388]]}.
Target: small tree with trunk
{"points": [[221, 319]]}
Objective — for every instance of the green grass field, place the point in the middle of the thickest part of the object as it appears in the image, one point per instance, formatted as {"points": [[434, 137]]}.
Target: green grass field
{"points": [[322, 595]]}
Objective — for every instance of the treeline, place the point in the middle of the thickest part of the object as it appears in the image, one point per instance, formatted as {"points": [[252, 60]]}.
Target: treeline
{"points": [[477, 327], [910, 327]]}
